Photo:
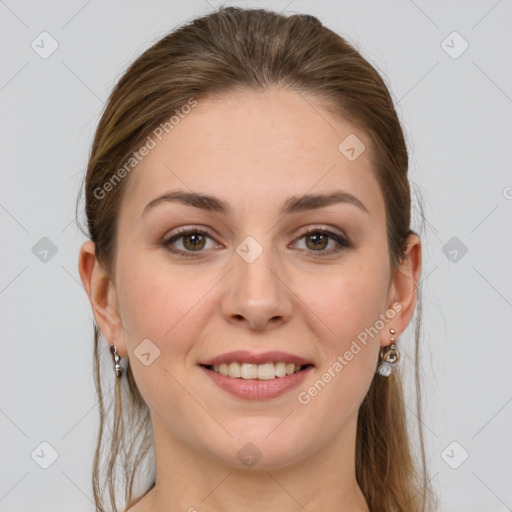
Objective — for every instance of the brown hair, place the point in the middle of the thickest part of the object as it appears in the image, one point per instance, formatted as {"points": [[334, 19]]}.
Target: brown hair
{"points": [[254, 49]]}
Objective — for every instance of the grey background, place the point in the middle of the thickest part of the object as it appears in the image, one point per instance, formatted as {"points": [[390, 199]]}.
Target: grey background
{"points": [[456, 113]]}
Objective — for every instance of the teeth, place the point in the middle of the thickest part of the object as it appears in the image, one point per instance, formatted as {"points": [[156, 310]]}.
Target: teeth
{"points": [[280, 369], [267, 371], [235, 370]]}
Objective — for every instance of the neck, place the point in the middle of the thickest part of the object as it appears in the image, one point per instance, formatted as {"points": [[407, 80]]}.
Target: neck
{"points": [[188, 480]]}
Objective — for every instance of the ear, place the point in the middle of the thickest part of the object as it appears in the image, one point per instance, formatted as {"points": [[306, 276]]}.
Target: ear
{"points": [[102, 295], [404, 287]]}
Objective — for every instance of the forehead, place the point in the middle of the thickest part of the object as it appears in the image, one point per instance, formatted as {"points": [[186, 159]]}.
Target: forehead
{"points": [[262, 145]]}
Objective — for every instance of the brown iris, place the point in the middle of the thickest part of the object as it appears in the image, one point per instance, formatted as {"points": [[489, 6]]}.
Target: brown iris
{"points": [[320, 239]]}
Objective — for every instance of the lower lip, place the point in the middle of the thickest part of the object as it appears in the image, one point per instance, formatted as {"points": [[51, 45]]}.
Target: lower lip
{"points": [[255, 389]]}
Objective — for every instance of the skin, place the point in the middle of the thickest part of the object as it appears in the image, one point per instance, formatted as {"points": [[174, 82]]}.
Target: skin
{"points": [[253, 150]]}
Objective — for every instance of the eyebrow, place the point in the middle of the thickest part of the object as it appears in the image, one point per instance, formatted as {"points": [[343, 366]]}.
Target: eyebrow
{"points": [[294, 204]]}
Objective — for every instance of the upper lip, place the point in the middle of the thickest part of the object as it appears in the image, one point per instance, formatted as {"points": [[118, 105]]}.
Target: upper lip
{"points": [[244, 356]]}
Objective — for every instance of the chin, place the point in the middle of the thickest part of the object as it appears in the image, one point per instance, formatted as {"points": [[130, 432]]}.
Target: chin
{"points": [[261, 451]]}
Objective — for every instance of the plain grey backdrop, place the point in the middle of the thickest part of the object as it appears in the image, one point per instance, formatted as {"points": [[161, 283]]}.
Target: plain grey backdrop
{"points": [[449, 68]]}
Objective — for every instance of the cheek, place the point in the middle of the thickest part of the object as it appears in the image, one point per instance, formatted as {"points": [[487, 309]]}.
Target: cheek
{"points": [[166, 305], [350, 301], [154, 306], [350, 307], [153, 297], [349, 354]]}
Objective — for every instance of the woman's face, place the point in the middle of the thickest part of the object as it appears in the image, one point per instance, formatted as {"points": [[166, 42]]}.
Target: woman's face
{"points": [[253, 280]]}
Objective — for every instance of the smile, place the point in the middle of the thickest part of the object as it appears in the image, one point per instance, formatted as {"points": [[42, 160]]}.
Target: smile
{"points": [[266, 371], [247, 384]]}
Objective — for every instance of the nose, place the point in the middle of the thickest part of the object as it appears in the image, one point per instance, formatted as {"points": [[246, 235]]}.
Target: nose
{"points": [[257, 293]]}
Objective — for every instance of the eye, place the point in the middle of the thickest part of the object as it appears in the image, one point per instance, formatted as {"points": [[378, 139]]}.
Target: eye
{"points": [[316, 240], [193, 240]]}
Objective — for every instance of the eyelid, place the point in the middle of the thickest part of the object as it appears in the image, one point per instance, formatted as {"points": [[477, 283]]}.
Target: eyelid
{"points": [[325, 228], [308, 229]]}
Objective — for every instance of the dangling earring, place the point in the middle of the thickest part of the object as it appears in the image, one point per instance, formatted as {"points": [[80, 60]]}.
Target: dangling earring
{"points": [[389, 356], [115, 356]]}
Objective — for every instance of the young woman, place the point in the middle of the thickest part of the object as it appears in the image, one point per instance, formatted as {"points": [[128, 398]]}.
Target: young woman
{"points": [[251, 267]]}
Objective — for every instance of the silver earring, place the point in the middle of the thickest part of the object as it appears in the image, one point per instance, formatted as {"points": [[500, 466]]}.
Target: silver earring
{"points": [[115, 356], [389, 356]]}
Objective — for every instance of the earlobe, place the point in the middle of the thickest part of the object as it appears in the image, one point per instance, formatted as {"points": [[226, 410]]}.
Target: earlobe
{"points": [[102, 297]]}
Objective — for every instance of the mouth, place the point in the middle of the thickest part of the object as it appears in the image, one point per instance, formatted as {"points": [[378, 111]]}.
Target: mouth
{"points": [[257, 376], [249, 381], [252, 371]]}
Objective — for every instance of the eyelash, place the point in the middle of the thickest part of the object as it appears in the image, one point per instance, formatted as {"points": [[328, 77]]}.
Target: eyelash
{"points": [[343, 243]]}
